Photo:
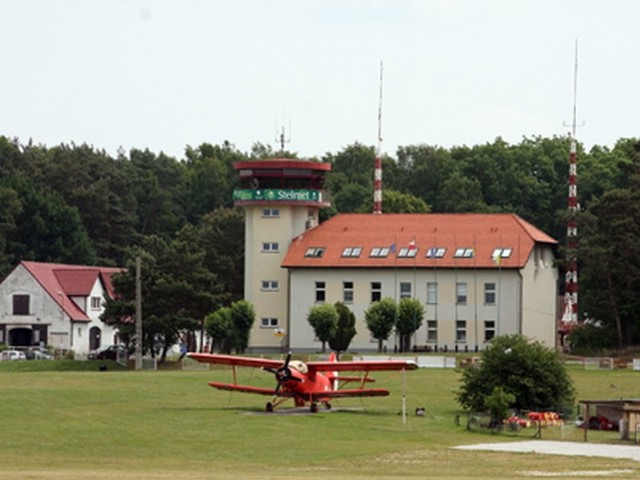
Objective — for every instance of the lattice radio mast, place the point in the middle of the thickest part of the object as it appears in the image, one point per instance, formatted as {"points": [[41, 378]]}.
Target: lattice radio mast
{"points": [[377, 173], [570, 316]]}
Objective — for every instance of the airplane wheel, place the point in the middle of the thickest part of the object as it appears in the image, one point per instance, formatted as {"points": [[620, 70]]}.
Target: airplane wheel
{"points": [[327, 406], [314, 408], [269, 407]]}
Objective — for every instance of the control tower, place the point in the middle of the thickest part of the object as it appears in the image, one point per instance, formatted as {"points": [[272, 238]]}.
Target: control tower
{"points": [[281, 198]]}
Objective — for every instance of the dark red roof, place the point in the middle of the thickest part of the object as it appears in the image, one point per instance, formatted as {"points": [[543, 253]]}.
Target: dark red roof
{"points": [[62, 282], [281, 163], [481, 233]]}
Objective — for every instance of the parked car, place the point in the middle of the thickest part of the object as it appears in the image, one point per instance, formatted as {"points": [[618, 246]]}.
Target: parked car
{"points": [[12, 355], [112, 352], [42, 355]]}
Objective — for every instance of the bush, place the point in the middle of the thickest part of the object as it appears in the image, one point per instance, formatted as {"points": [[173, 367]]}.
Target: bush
{"points": [[529, 371]]}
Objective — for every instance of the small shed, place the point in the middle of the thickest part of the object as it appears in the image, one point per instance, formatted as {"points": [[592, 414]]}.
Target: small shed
{"points": [[622, 415]]}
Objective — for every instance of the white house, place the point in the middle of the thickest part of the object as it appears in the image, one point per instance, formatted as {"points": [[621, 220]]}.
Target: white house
{"points": [[56, 306]]}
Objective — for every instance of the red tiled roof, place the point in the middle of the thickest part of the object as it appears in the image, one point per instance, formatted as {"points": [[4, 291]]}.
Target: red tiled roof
{"points": [[64, 281], [481, 232]]}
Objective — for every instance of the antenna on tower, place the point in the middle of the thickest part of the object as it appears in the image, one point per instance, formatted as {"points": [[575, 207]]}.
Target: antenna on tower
{"points": [[280, 136], [377, 174]]}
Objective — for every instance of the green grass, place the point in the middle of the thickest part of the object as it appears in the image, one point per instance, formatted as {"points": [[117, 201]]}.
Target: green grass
{"points": [[171, 425]]}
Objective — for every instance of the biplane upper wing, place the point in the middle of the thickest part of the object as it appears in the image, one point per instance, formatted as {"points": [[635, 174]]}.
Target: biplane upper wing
{"points": [[362, 366], [235, 361]]}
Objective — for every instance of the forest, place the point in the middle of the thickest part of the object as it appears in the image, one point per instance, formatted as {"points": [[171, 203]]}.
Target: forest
{"points": [[77, 204]]}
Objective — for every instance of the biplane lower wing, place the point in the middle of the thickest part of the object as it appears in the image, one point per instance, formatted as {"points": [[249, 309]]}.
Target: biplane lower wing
{"points": [[248, 389], [352, 392]]}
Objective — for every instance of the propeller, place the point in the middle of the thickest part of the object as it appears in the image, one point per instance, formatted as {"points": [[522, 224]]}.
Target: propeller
{"points": [[283, 374]]}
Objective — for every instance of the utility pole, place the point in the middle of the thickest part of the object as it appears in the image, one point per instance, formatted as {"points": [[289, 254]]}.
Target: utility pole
{"points": [[138, 315]]}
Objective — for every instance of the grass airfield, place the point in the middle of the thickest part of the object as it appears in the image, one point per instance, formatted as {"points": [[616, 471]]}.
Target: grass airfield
{"points": [[172, 425]]}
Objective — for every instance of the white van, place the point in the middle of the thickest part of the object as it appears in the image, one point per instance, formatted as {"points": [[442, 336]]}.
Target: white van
{"points": [[12, 355]]}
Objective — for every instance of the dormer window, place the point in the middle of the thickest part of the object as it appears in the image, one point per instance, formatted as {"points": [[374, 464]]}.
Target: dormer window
{"points": [[464, 253], [407, 252], [379, 252], [436, 252], [501, 253], [316, 252], [96, 303], [353, 252]]}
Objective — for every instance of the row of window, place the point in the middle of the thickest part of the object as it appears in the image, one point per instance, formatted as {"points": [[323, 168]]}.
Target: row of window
{"points": [[432, 329], [461, 331], [405, 292], [409, 252], [272, 212]]}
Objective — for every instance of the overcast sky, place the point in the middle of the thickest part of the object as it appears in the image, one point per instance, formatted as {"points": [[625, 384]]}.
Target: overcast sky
{"points": [[163, 74]]}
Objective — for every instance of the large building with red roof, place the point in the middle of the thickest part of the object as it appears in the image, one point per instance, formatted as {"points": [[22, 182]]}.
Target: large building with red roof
{"points": [[57, 306], [477, 275]]}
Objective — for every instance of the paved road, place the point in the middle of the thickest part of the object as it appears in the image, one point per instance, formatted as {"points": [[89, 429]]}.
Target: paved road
{"points": [[561, 448]]}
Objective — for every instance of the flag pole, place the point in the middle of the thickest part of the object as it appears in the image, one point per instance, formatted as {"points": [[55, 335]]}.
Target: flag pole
{"points": [[404, 397]]}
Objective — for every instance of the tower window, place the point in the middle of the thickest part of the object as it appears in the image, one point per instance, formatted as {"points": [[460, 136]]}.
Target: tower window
{"points": [[270, 246]]}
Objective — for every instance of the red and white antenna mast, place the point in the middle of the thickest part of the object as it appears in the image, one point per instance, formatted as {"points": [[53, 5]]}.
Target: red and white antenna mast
{"points": [[377, 174], [570, 316]]}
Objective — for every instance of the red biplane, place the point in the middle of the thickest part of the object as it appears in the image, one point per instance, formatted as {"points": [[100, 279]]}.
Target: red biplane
{"points": [[306, 383]]}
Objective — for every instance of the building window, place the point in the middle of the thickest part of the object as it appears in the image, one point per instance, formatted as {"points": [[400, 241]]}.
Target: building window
{"points": [[405, 290], [21, 304], [379, 252], [490, 293], [461, 330], [96, 303], [436, 252], [499, 253], [489, 330], [347, 292], [376, 291], [314, 252], [407, 252], [432, 293], [269, 286], [432, 331], [461, 293], [464, 253], [271, 212], [353, 252], [270, 247], [267, 322], [321, 292]]}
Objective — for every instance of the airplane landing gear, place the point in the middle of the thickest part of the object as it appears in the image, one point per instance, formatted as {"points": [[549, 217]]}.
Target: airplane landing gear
{"points": [[269, 407]]}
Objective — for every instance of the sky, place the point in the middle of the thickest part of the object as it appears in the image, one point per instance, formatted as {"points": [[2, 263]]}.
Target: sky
{"points": [[167, 74]]}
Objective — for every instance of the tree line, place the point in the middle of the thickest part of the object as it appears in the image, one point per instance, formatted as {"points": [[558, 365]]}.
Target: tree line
{"points": [[77, 204]]}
